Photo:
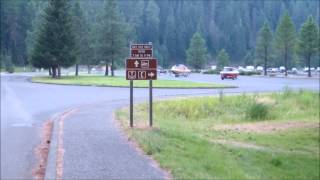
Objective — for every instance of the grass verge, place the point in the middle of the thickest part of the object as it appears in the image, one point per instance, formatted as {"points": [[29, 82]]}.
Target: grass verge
{"points": [[122, 82], [222, 138]]}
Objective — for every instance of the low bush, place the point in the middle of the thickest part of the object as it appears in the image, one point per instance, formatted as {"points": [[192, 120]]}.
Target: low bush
{"points": [[196, 71], [249, 73], [9, 67], [211, 71], [258, 111]]}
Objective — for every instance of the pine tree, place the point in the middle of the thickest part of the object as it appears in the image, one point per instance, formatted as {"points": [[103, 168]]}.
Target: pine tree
{"points": [[197, 52], [81, 30], [308, 43], [54, 47], [223, 59], [112, 43], [263, 48], [285, 39]]}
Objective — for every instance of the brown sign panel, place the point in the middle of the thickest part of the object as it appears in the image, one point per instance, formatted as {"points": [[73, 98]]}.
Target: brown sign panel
{"points": [[141, 74], [136, 63], [141, 69], [141, 50], [142, 53]]}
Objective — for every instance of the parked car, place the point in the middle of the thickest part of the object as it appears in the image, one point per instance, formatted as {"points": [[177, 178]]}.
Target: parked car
{"points": [[272, 70], [282, 69], [240, 68], [306, 69], [180, 70], [161, 70], [249, 68], [229, 73], [294, 71], [259, 68]]}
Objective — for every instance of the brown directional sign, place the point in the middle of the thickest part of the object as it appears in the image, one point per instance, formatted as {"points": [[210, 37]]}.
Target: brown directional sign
{"points": [[141, 69], [141, 50]]}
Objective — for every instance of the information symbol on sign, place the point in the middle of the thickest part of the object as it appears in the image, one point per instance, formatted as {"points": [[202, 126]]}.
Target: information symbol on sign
{"points": [[144, 64], [142, 74], [131, 74]]}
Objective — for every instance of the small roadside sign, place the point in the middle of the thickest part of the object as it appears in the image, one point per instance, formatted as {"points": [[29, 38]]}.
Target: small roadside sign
{"points": [[141, 69], [141, 66], [141, 50]]}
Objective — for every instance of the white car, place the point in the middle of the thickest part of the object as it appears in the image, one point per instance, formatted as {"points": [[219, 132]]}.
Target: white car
{"points": [[240, 68], [306, 69], [260, 68], [273, 70], [180, 70], [294, 70], [250, 68], [282, 68]]}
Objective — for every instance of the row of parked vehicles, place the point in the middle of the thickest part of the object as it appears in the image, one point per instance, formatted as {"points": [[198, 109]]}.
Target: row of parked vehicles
{"points": [[232, 72], [280, 69]]}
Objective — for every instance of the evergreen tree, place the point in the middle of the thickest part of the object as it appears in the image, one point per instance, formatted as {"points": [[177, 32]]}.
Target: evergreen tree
{"points": [[112, 42], [54, 47], [223, 59], [308, 42], [34, 30], [81, 31], [150, 23], [285, 39], [263, 48], [197, 52]]}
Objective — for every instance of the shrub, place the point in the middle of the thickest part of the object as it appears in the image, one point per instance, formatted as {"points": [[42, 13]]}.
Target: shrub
{"points": [[210, 71], [258, 111], [8, 64], [249, 73], [196, 71]]}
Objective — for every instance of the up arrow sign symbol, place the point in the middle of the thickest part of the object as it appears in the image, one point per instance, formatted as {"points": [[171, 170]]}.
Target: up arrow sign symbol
{"points": [[136, 63], [151, 74]]}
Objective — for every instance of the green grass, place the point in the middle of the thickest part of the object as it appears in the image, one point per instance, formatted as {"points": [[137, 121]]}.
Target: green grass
{"points": [[183, 137], [18, 69], [122, 82]]}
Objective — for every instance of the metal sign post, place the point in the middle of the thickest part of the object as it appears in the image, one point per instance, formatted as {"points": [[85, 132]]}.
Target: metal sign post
{"points": [[131, 103], [141, 66], [150, 103]]}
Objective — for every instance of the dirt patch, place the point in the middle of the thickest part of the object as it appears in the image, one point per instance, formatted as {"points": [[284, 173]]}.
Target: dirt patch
{"points": [[265, 100], [142, 125], [246, 145], [42, 151], [267, 127], [237, 144]]}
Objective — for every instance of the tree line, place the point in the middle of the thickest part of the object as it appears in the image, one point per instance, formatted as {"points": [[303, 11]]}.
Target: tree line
{"points": [[284, 45], [170, 25]]}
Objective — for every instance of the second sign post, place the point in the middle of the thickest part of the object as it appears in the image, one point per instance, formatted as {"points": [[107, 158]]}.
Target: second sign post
{"points": [[141, 66]]}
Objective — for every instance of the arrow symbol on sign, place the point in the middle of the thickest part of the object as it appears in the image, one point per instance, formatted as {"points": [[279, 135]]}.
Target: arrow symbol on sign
{"points": [[136, 63], [151, 74]]}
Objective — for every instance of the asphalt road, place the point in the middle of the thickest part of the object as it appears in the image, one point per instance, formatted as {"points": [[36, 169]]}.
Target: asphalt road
{"points": [[25, 106]]}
